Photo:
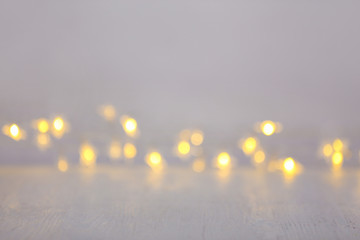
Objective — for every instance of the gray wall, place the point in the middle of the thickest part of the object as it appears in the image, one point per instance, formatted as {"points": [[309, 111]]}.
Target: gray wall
{"points": [[219, 65]]}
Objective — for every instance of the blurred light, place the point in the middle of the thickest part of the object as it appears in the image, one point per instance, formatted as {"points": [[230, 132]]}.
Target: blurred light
{"points": [[289, 164], [249, 145], [129, 150], [183, 148], [13, 131], [337, 159], [58, 127], [58, 124], [62, 164], [154, 160], [327, 150], [87, 155], [114, 150], [259, 157], [129, 125], [42, 125], [197, 137], [198, 165], [108, 112], [223, 160], [268, 128], [338, 145], [43, 141]]}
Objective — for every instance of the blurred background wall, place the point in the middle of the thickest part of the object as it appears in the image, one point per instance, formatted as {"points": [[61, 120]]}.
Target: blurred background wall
{"points": [[217, 65]]}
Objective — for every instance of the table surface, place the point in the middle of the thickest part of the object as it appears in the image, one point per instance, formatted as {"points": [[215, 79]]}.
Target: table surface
{"points": [[136, 203]]}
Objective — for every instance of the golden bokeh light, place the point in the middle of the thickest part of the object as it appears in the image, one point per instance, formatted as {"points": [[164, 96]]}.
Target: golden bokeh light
{"points": [[87, 155], [197, 137], [62, 164], [155, 160], [327, 150], [108, 112], [249, 145], [59, 127], [268, 128], [223, 160], [43, 141], [14, 131], [129, 125], [198, 165], [338, 145], [337, 159], [259, 157], [183, 148], [129, 151], [42, 125], [115, 151], [289, 165]]}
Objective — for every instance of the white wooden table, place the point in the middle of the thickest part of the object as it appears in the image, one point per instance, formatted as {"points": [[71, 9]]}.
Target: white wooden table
{"points": [[135, 203]]}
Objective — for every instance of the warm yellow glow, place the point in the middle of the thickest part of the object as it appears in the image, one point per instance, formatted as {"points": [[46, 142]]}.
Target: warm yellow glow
{"points": [[198, 165], [62, 164], [289, 164], [108, 112], [87, 155], [114, 150], [327, 150], [337, 158], [58, 123], [14, 131], [197, 137], [249, 145], [155, 160], [58, 127], [129, 125], [223, 160], [338, 145], [183, 148], [42, 125], [268, 128], [129, 150], [43, 140], [259, 157]]}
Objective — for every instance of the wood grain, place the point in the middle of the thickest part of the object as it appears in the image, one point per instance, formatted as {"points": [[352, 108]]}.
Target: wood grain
{"points": [[135, 203]]}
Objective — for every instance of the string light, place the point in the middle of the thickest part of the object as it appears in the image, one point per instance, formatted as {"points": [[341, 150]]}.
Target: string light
{"points": [[129, 125], [114, 151], [289, 165], [42, 125], [327, 150], [43, 141], [268, 128], [155, 161], [129, 151], [259, 157], [248, 145], [183, 148], [62, 164], [87, 155], [337, 159], [197, 138], [108, 112], [14, 131], [223, 160], [59, 127]]}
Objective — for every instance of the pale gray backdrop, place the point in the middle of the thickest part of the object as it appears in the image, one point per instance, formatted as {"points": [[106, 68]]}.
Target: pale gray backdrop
{"points": [[218, 65]]}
